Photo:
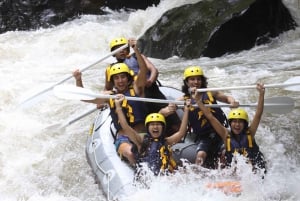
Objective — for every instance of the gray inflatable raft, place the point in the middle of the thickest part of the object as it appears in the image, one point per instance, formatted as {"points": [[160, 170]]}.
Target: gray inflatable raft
{"points": [[114, 176]]}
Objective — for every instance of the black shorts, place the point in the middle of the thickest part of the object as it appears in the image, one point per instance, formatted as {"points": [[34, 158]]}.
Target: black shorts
{"points": [[173, 124], [154, 92], [173, 121], [210, 143]]}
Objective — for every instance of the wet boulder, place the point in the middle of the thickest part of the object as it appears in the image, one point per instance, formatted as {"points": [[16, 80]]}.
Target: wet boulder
{"points": [[214, 28]]}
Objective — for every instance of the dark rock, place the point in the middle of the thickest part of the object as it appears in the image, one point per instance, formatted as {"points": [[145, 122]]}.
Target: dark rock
{"points": [[264, 20], [214, 28]]}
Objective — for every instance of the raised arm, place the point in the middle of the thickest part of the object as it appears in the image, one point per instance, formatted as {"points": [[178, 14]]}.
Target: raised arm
{"points": [[259, 110], [140, 82], [176, 137], [220, 96], [77, 75], [108, 85], [153, 71], [128, 130], [219, 128]]}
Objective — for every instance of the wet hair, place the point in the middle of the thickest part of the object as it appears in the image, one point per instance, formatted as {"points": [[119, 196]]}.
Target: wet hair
{"points": [[185, 87]]}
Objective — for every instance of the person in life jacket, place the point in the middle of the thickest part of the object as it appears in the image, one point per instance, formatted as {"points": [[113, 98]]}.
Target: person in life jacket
{"points": [[240, 138], [151, 89], [209, 143], [153, 148], [122, 79]]}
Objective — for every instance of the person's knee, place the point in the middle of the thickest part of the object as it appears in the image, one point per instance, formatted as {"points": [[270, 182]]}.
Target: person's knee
{"points": [[130, 157], [128, 153], [125, 151], [222, 157], [124, 148], [200, 158]]}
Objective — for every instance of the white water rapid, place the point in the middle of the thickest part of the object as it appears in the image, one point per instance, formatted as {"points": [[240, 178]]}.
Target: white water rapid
{"points": [[42, 164]]}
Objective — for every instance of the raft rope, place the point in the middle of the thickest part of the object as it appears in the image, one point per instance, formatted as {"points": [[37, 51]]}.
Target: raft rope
{"points": [[107, 174]]}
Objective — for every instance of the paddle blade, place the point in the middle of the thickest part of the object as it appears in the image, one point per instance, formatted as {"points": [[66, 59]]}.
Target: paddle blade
{"points": [[294, 83], [71, 92], [33, 96], [228, 187], [279, 105], [59, 126]]}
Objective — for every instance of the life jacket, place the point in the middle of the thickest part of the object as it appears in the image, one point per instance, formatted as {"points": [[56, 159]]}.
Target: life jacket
{"points": [[150, 91], [134, 111], [157, 154], [246, 146], [197, 120]]}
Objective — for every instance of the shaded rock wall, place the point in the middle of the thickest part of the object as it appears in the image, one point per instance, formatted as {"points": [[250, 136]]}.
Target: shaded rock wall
{"points": [[262, 21], [214, 28]]}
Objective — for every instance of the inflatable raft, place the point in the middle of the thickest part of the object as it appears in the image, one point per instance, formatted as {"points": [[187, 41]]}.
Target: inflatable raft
{"points": [[116, 177]]}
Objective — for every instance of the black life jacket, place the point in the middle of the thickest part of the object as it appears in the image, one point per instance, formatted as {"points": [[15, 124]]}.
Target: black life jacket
{"points": [[197, 119], [134, 111], [245, 146], [157, 154]]}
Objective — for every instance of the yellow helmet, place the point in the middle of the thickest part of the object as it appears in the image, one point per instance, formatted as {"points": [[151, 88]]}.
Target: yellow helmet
{"points": [[117, 42], [238, 114], [155, 117], [192, 71], [119, 68]]}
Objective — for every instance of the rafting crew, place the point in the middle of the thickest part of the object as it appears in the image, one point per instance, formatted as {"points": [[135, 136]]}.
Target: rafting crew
{"points": [[121, 79], [152, 83], [153, 147], [240, 137]]}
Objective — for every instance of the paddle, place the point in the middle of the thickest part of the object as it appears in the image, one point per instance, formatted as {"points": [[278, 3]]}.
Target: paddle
{"points": [[292, 84], [70, 76], [79, 117], [228, 187], [69, 122], [78, 93], [279, 105]]}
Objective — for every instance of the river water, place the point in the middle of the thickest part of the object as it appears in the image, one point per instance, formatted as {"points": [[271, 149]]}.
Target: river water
{"points": [[40, 161]]}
